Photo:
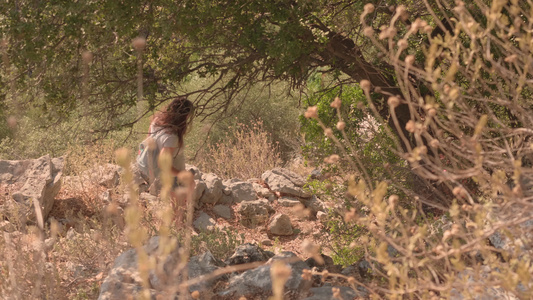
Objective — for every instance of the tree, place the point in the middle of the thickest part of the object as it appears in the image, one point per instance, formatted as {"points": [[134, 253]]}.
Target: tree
{"points": [[238, 43], [81, 52]]}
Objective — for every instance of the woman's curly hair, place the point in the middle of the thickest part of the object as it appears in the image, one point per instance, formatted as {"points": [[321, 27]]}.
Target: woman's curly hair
{"points": [[175, 117]]}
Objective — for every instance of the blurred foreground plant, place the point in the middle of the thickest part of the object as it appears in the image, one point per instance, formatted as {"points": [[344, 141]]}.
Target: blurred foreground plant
{"points": [[469, 146]]}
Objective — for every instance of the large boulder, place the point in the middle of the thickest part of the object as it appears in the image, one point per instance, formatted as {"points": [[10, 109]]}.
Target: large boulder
{"points": [[240, 190], [285, 182], [32, 181], [213, 189], [254, 213], [125, 281], [107, 175], [204, 264], [257, 283]]}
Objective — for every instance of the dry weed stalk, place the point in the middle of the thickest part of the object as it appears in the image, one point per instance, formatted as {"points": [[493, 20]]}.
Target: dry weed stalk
{"points": [[248, 155], [469, 140]]}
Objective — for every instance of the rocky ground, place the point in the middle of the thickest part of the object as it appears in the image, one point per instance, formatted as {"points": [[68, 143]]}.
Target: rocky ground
{"points": [[77, 244], [272, 216]]}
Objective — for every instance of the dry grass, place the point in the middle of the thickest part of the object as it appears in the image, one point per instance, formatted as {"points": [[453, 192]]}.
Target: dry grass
{"points": [[245, 152]]}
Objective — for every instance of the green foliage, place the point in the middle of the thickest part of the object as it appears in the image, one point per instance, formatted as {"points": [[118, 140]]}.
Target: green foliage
{"points": [[220, 242], [343, 240], [363, 133], [317, 145], [271, 104]]}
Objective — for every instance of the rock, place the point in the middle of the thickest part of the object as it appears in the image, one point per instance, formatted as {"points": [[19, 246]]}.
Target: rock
{"points": [[194, 170], [124, 280], [6, 226], [464, 286], [257, 281], [204, 223], [105, 196], [39, 179], [222, 211], [316, 174], [267, 242], [285, 182], [254, 213], [280, 225], [263, 192], [201, 265], [241, 190], [147, 197], [289, 201], [107, 175], [314, 204], [327, 262], [326, 293], [349, 271], [199, 190], [365, 269], [321, 216], [213, 190], [226, 199], [247, 253]]}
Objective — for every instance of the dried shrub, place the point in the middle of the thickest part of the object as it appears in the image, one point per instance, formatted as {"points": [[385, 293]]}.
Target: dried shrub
{"points": [[465, 227], [246, 152]]}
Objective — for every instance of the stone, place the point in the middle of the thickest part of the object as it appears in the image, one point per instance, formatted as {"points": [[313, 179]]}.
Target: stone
{"points": [[314, 204], [349, 271], [197, 174], [201, 265], [321, 216], [107, 175], [326, 293], [226, 199], [288, 201], [263, 192], [267, 242], [466, 281], [204, 223], [257, 281], [325, 264], [199, 190], [280, 225], [248, 253], [254, 213], [6, 226], [241, 190], [222, 211], [316, 174], [147, 197], [285, 182], [213, 190], [39, 180], [124, 281]]}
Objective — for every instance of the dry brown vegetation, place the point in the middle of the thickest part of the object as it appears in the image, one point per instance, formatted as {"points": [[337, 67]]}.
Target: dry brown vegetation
{"points": [[467, 146]]}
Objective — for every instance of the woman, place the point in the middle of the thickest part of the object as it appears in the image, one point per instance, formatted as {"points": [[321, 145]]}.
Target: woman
{"points": [[166, 133]]}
